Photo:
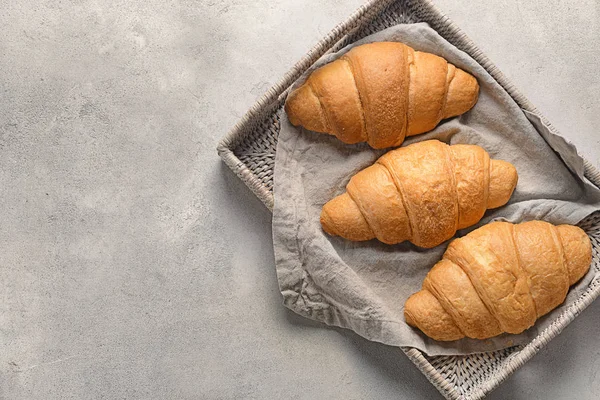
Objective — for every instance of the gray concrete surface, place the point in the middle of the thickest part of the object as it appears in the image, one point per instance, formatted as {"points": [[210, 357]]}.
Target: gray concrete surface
{"points": [[134, 264]]}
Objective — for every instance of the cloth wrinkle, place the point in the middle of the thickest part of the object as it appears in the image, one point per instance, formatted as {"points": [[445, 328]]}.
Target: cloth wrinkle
{"points": [[363, 286]]}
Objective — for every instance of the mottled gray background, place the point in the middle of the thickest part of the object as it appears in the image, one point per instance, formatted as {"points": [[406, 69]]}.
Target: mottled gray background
{"points": [[134, 264]]}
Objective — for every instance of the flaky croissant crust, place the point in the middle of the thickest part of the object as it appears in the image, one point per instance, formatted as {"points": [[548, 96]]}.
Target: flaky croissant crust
{"points": [[499, 278], [423, 192], [380, 93]]}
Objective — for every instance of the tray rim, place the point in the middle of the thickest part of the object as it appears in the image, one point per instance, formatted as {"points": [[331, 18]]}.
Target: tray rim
{"points": [[275, 96]]}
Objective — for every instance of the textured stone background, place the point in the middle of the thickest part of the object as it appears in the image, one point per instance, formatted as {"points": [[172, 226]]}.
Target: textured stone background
{"points": [[134, 264]]}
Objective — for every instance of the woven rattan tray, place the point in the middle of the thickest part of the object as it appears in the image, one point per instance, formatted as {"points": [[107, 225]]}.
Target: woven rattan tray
{"points": [[249, 150]]}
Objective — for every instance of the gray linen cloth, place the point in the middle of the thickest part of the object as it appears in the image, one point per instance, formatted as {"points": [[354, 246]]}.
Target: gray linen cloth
{"points": [[363, 285]]}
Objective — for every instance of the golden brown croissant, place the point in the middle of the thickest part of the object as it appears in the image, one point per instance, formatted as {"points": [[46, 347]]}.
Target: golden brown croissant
{"points": [[423, 192], [499, 278], [380, 93]]}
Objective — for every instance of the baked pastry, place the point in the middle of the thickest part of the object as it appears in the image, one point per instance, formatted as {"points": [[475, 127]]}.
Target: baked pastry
{"points": [[423, 192], [380, 93], [499, 278]]}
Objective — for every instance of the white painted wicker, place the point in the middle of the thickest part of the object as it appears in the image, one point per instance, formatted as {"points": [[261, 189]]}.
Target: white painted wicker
{"points": [[249, 150]]}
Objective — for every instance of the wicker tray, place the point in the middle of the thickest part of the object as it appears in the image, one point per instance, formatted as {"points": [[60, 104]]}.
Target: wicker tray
{"points": [[249, 150]]}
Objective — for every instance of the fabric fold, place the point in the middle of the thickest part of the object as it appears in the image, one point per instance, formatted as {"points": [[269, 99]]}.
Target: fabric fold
{"points": [[362, 286]]}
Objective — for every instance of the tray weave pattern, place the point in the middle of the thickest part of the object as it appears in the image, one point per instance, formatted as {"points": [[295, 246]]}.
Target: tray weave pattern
{"points": [[249, 150]]}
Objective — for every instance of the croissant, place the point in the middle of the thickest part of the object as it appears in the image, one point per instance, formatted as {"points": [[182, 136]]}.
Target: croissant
{"points": [[380, 93], [499, 278], [423, 192]]}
